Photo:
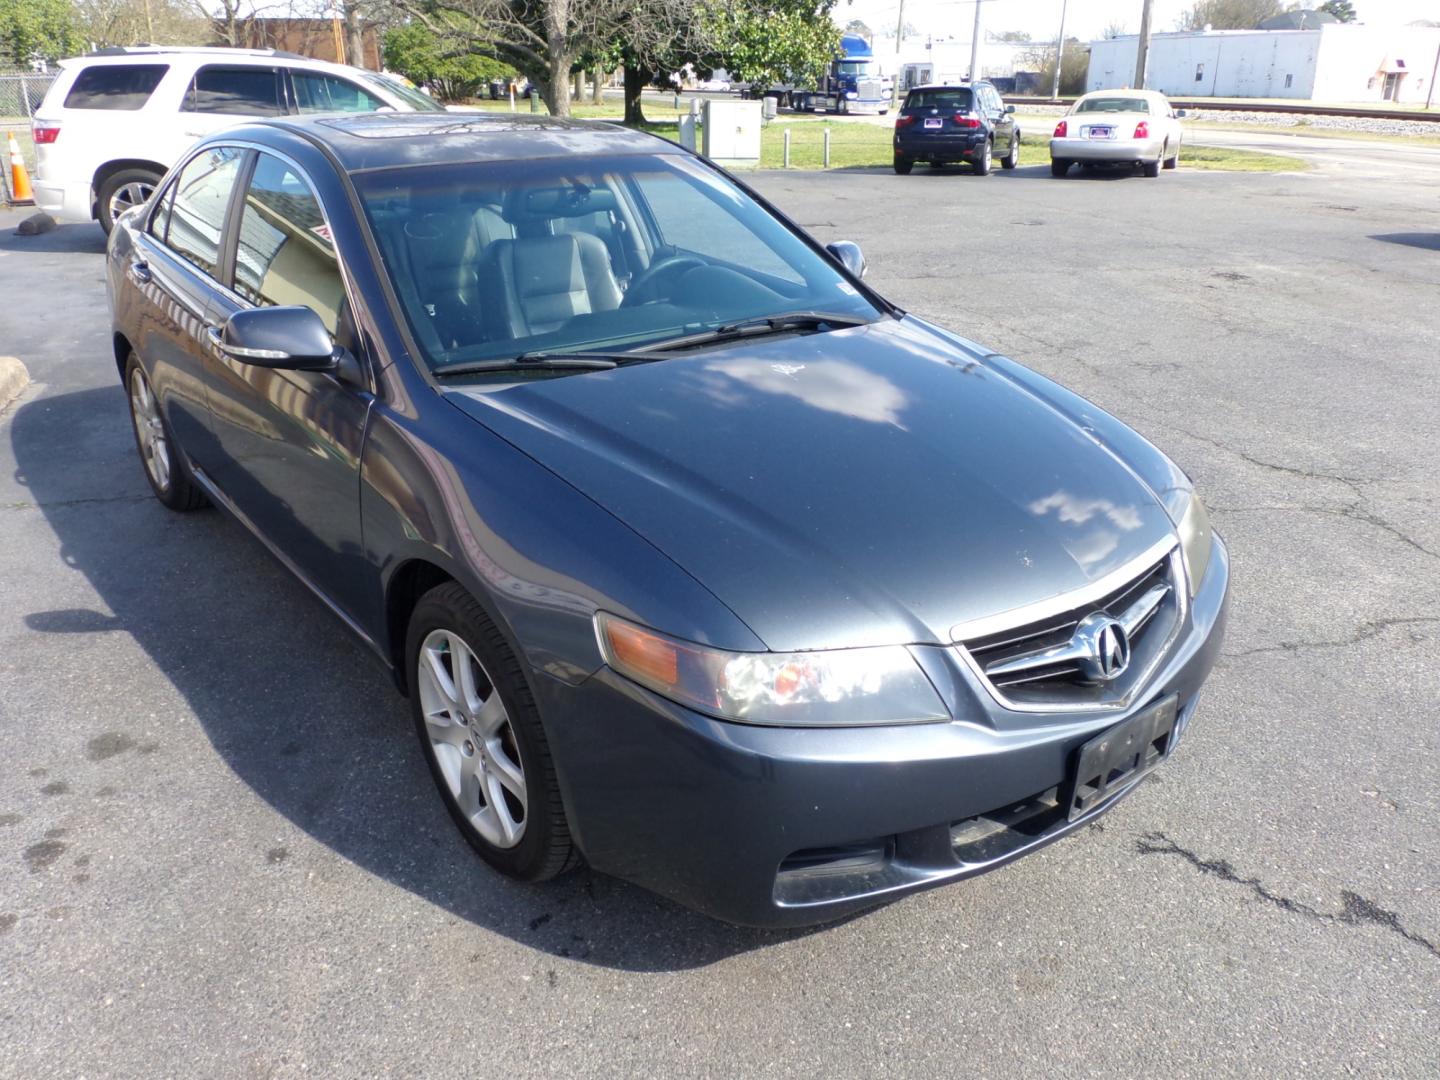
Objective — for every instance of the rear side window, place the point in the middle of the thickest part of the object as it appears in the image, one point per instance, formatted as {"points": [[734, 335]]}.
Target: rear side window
{"points": [[197, 210], [115, 86], [327, 94], [234, 91], [957, 98]]}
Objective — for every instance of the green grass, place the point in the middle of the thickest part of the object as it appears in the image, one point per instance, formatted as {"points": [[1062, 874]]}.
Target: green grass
{"points": [[1227, 160]]}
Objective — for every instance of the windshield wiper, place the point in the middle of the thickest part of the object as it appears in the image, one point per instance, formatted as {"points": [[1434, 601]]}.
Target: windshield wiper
{"points": [[759, 327], [536, 361]]}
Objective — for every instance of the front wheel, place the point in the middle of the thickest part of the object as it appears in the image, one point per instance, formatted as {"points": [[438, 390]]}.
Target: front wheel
{"points": [[903, 165], [1012, 158], [121, 191], [164, 465], [1059, 168], [481, 734], [982, 163]]}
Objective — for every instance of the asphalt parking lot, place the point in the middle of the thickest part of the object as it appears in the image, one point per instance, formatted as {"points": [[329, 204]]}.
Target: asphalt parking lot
{"points": [[221, 855]]}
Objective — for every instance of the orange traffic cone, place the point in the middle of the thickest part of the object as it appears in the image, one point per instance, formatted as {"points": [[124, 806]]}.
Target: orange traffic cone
{"points": [[20, 191]]}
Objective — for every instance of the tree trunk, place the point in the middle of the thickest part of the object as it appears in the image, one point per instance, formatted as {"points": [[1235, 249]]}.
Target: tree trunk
{"points": [[636, 79], [597, 85], [354, 35], [555, 87], [577, 90]]}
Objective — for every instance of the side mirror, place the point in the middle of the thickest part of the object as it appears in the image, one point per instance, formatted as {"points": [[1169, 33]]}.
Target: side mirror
{"points": [[1009, 108], [293, 338], [848, 255], [1180, 113]]}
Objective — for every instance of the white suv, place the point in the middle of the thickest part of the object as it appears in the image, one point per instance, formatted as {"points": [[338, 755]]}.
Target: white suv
{"points": [[114, 121]]}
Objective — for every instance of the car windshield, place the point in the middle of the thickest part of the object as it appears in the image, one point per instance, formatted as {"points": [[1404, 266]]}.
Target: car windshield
{"points": [[1113, 104], [408, 94], [952, 98], [496, 260]]}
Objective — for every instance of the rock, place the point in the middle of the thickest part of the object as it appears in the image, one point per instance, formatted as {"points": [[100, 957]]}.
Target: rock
{"points": [[13, 379]]}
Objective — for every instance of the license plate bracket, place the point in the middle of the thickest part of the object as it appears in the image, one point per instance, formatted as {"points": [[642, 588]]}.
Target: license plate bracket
{"points": [[1102, 132], [1120, 756], [933, 123]]}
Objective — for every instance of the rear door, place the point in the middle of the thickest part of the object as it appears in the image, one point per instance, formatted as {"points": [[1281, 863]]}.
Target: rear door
{"points": [[290, 441], [173, 272], [223, 95]]}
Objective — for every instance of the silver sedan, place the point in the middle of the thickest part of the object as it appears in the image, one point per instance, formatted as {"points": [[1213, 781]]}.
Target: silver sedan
{"points": [[1118, 127]]}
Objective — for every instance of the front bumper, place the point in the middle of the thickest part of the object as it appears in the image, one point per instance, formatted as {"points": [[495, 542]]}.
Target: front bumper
{"points": [[792, 827], [1115, 151]]}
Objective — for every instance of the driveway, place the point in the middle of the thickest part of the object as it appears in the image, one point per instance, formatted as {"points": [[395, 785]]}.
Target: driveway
{"points": [[220, 853]]}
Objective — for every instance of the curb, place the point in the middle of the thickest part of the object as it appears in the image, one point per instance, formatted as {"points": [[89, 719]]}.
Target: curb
{"points": [[13, 379]]}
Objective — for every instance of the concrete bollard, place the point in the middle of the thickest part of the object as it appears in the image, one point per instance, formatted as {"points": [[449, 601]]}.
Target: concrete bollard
{"points": [[827, 146], [787, 148]]}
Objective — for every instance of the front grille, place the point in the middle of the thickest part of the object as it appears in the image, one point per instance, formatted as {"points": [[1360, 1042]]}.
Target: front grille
{"points": [[1064, 680]]}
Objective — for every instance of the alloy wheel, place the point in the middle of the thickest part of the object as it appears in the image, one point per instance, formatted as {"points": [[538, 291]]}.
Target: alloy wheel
{"points": [[472, 738], [149, 430], [128, 195]]}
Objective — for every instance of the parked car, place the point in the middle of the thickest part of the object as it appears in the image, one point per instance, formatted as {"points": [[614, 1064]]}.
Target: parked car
{"points": [[944, 124], [112, 122], [1118, 127], [698, 559]]}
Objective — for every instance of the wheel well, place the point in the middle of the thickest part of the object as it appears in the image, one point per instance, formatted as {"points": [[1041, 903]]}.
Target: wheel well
{"points": [[122, 348], [110, 168], [407, 585]]}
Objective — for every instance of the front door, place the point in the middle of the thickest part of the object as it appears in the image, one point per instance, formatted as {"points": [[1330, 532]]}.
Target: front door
{"points": [[290, 440]]}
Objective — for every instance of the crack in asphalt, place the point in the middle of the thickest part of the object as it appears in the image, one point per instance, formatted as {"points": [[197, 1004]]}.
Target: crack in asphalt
{"points": [[1355, 909], [58, 503], [1363, 632]]}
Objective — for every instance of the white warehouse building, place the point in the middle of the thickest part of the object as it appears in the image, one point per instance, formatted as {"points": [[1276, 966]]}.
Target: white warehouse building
{"points": [[1334, 62]]}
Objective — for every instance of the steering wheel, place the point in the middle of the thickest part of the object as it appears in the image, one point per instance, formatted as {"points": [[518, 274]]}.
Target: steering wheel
{"points": [[636, 293]]}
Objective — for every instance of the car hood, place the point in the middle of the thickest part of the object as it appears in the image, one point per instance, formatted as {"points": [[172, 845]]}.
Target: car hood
{"points": [[867, 485]]}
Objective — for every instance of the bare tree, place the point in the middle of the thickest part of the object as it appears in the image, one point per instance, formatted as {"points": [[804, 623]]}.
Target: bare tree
{"points": [[1229, 14]]}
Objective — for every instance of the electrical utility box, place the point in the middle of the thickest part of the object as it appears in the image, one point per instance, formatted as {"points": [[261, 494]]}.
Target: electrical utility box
{"points": [[732, 132]]}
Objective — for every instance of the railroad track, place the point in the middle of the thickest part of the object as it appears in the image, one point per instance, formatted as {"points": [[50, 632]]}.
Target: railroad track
{"points": [[1297, 109]]}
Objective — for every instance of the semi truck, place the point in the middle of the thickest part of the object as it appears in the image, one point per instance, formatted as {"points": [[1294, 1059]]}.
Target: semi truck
{"points": [[852, 83]]}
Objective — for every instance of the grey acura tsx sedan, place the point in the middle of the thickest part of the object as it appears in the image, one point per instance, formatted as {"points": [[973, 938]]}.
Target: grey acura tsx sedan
{"points": [[698, 559]]}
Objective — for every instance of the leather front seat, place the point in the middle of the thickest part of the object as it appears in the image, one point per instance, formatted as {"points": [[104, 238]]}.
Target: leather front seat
{"points": [[543, 281]]}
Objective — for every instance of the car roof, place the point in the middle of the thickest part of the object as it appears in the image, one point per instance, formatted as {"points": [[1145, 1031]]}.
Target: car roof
{"points": [[1122, 92], [387, 140], [951, 86], [129, 54]]}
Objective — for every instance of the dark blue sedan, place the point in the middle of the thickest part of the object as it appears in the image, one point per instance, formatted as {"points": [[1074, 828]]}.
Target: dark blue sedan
{"points": [[697, 559]]}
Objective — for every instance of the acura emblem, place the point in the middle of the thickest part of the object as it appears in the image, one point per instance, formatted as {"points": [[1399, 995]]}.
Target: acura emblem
{"points": [[1105, 647]]}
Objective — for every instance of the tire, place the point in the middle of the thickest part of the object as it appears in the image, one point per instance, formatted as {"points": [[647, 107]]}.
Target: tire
{"points": [[1173, 161], [981, 165], [160, 454], [1152, 168], [495, 749], [903, 166], [1059, 168], [120, 191], [1010, 160]]}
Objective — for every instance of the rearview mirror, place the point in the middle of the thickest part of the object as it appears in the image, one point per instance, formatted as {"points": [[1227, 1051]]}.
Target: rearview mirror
{"points": [[848, 254], [293, 338]]}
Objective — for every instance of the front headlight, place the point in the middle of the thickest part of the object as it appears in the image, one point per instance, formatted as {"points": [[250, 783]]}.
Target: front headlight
{"points": [[836, 688], [1195, 542]]}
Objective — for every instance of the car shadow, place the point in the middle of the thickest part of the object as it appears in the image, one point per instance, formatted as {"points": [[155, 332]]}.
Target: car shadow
{"points": [[296, 707], [1429, 241], [68, 239]]}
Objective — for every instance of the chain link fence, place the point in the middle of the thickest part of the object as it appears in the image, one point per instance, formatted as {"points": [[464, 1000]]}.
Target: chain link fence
{"points": [[21, 93]]}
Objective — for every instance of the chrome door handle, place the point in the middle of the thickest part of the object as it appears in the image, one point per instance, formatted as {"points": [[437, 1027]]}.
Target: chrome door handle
{"points": [[140, 272]]}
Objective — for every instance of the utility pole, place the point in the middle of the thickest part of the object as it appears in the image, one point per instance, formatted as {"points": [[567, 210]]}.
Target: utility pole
{"points": [[895, 75], [1435, 68], [149, 25], [975, 45], [1142, 53], [1059, 53]]}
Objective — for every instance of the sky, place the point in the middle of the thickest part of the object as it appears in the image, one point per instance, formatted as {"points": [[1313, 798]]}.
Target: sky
{"points": [[1085, 19]]}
